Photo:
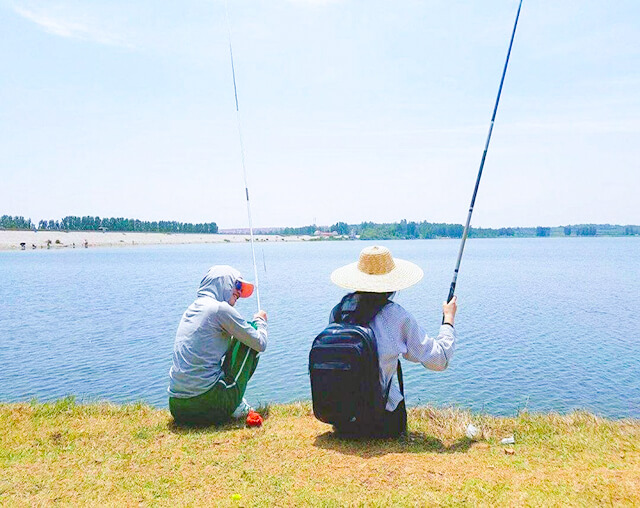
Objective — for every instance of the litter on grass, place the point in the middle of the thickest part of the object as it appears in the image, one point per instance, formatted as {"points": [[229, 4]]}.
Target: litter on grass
{"points": [[472, 431]]}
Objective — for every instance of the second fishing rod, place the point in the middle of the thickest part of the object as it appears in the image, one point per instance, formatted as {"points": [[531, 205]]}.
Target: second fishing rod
{"points": [[244, 168]]}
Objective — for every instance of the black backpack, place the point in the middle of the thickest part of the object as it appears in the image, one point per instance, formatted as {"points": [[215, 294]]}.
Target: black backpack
{"points": [[344, 367]]}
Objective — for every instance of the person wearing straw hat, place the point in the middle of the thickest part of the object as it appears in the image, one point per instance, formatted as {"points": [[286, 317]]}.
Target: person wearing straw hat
{"points": [[215, 352], [373, 280]]}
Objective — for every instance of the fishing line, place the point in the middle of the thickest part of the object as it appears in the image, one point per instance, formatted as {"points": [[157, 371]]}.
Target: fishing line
{"points": [[244, 169], [452, 289]]}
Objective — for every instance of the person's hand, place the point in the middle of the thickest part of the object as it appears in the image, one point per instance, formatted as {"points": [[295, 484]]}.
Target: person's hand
{"points": [[260, 314], [449, 310]]}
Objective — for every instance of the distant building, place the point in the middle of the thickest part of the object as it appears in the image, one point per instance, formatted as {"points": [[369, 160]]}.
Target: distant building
{"points": [[325, 233]]}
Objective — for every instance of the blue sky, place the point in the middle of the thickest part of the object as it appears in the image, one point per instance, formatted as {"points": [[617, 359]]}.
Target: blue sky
{"points": [[350, 110]]}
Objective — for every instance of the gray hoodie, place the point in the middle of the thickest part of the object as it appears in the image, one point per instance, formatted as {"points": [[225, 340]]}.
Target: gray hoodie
{"points": [[204, 334]]}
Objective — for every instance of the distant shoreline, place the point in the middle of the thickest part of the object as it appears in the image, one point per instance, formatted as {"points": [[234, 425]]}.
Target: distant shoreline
{"points": [[11, 240]]}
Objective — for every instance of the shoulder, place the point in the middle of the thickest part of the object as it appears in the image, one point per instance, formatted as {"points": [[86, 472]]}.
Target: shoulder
{"points": [[395, 316], [207, 304], [391, 314], [225, 308], [214, 309], [394, 309]]}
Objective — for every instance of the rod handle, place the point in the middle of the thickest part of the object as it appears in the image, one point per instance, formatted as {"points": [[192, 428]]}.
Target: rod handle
{"points": [[452, 291]]}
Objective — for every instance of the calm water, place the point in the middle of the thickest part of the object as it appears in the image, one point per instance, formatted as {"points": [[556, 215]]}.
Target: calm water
{"points": [[550, 324]]}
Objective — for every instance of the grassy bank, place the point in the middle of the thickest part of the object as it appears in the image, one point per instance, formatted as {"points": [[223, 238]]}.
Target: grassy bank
{"points": [[105, 454]]}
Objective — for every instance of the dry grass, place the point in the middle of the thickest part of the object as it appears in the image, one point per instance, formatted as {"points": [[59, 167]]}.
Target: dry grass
{"points": [[64, 453]]}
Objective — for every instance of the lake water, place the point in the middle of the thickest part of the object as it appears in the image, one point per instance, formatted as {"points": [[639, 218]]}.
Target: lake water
{"points": [[551, 324]]}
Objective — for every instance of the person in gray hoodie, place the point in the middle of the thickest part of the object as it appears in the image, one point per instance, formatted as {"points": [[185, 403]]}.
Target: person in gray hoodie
{"points": [[215, 351]]}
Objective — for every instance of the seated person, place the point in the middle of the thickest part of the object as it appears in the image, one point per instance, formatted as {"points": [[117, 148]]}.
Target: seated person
{"points": [[215, 352], [374, 279]]}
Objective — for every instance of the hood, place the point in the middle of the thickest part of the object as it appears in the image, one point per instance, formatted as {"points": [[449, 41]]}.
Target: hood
{"points": [[218, 282]]}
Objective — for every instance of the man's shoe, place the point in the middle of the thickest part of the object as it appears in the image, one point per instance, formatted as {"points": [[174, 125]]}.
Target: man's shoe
{"points": [[242, 410]]}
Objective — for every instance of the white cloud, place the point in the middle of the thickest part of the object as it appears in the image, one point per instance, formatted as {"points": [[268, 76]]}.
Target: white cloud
{"points": [[64, 27]]}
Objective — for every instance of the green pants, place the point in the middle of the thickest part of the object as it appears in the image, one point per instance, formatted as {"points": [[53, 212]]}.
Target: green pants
{"points": [[218, 403]]}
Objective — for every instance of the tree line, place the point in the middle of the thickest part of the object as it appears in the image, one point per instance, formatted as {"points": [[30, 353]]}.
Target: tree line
{"points": [[89, 223], [18, 222], [426, 230], [365, 230], [373, 231]]}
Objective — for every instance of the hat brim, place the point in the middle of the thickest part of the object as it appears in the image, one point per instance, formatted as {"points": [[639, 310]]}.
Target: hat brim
{"points": [[404, 275], [247, 289]]}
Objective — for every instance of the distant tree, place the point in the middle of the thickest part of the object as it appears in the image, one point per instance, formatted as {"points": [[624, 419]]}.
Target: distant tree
{"points": [[402, 229], [542, 231], [426, 230], [588, 230], [567, 231], [342, 228], [88, 223], [18, 222], [412, 230], [305, 230], [483, 233]]}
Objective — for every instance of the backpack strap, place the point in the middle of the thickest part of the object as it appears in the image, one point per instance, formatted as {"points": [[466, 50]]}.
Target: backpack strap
{"points": [[400, 382]]}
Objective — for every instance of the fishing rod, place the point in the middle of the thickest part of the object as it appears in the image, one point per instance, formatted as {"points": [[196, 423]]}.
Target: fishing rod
{"points": [[452, 289], [244, 169]]}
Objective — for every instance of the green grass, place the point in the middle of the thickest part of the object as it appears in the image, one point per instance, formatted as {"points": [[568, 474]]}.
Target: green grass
{"points": [[68, 453]]}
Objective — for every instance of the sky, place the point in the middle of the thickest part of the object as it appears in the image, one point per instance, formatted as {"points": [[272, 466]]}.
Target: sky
{"points": [[349, 110]]}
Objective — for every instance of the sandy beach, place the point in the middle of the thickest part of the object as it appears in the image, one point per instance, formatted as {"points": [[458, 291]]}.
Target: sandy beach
{"points": [[11, 240]]}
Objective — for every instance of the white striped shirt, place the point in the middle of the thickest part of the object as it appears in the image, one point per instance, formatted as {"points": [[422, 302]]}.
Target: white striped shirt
{"points": [[397, 333]]}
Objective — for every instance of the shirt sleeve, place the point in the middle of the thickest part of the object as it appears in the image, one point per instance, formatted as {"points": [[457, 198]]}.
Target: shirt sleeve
{"points": [[433, 353], [236, 326]]}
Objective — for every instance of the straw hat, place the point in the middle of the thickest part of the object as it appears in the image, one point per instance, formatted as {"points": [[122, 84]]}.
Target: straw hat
{"points": [[377, 272]]}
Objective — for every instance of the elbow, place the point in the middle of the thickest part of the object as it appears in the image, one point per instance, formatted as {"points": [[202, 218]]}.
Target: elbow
{"points": [[259, 340], [439, 367], [262, 344]]}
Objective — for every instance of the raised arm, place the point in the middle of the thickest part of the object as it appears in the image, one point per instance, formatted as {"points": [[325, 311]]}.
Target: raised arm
{"points": [[236, 326], [433, 353]]}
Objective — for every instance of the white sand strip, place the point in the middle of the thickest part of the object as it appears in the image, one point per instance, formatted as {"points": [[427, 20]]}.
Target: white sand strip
{"points": [[11, 240]]}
